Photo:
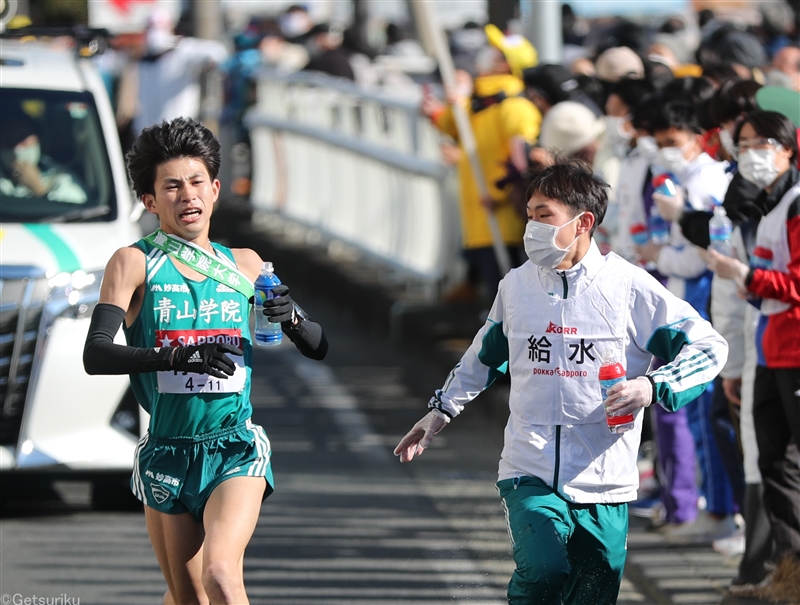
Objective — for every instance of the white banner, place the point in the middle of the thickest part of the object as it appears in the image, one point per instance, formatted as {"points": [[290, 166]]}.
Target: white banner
{"points": [[127, 16]]}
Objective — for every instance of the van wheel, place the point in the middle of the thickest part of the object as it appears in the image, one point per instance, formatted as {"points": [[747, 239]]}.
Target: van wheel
{"points": [[112, 494]]}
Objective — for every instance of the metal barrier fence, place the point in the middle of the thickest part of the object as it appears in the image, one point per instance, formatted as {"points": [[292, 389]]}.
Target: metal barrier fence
{"points": [[358, 168]]}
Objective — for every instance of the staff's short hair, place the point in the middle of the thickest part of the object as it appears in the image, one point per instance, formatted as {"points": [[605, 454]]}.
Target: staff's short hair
{"points": [[572, 182]]}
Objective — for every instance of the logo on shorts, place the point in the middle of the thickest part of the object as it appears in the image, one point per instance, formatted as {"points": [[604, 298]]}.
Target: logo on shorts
{"points": [[160, 494]]}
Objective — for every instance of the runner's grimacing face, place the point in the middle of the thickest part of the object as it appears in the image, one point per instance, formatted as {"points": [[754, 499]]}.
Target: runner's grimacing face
{"points": [[184, 197]]}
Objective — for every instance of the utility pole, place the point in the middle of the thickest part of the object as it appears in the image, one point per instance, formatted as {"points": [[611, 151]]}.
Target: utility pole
{"points": [[206, 19], [502, 11], [360, 19], [544, 29], [428, 19], [207, 24]]}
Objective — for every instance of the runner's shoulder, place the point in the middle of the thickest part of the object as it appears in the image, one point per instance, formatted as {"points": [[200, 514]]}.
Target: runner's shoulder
{"points": [[247, 261], [129, 259]]}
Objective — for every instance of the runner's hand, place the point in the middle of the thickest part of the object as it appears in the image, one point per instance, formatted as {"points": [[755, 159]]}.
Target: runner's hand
{"points": [[280, 308], [209, 358], [418, 439], [627, 397]]}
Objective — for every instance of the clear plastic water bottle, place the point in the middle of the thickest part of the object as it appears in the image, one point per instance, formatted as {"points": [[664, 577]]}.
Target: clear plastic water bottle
{"points": [[665, 184], [720, 229], [659, 227], [612, 372], [267, 334]]}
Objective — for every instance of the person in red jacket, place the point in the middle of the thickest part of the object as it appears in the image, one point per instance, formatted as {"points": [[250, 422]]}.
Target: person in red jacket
{"points": [[767, 153]]}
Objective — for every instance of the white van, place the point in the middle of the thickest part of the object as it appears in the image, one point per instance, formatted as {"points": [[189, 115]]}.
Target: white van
{"points": [[65, 207]]}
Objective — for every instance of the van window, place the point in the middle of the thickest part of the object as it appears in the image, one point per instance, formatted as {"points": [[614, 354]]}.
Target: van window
{"points": [[54, 165]]}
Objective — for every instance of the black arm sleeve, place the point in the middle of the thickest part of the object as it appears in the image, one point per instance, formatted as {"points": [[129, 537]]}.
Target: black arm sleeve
{"points": [[102, 356], [308, 337], [694, 225]]}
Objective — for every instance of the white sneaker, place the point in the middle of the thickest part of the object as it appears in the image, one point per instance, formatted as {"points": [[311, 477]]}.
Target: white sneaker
{"points": [[704, 529], [751, 589], [731, 546]]}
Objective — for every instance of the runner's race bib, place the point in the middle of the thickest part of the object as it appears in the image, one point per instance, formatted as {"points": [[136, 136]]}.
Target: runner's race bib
{"points": [[191, 383]]}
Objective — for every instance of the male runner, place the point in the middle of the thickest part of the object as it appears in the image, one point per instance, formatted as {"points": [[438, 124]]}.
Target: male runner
{"points": [[564, 478], [203, 468]]}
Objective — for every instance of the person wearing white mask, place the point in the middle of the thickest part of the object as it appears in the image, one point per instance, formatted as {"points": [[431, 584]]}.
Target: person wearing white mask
{"points": [[767, 152], [27, 173], [701, 184], [565, 479], [619, 157], [168, 76], [736, 321]]}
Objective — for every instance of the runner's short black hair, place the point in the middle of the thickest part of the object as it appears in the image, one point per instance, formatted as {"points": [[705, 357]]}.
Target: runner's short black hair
{"points": [[179, 138], [572, 182]]}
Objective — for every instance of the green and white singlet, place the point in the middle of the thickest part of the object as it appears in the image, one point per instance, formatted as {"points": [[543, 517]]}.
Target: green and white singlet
{"points": [[178, 311]]}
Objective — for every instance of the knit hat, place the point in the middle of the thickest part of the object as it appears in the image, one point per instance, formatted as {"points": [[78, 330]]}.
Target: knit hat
{"points": [[519, 53], [552, 81], [776, 17], [569, 127], [619, 62], [674, 44], [743, 48]]}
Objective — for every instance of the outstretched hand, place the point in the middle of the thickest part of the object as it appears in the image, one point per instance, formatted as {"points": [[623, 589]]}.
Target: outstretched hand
{"points": [[208, 358], [419, 438]]}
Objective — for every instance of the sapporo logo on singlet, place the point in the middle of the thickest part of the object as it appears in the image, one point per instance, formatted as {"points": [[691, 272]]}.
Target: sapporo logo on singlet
{"points": [[185, 338], [192, 383]]}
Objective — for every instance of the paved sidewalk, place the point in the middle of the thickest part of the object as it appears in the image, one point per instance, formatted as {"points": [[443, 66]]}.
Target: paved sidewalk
{"points": [[656, 572]]}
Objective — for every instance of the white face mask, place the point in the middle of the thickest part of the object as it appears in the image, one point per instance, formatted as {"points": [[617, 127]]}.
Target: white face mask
{"points": [[159, 41], [485, 60], [726, 140], [758, 166], [540, 243], [295, 24], [672, 159], [615, 131], [647, 147], [29, 154]]}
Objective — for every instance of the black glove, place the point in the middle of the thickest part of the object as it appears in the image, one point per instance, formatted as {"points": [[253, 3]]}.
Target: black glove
{"points": [[209, 358], [279, 309]]}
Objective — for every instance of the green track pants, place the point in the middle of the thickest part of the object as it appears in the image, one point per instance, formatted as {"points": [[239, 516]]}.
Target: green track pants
{"points": [[565, 552]]}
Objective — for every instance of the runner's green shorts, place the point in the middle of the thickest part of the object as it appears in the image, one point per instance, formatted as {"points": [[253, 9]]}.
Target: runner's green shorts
{"points": [[176, 475]]}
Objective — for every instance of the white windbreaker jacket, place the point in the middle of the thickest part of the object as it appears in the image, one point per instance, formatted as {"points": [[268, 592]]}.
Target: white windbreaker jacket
{"points": [[549, 329]]}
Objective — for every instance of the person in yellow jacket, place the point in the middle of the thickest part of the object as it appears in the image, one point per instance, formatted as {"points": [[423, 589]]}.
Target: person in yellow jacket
{"points": [[498, 112]]}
